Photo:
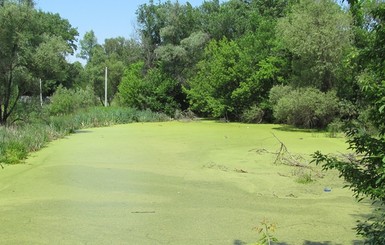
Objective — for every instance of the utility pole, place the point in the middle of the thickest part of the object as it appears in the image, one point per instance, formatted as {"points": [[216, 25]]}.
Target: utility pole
{"points": [[41, 94], [105, 89]]}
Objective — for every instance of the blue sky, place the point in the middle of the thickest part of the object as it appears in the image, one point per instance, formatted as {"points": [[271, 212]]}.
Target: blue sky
{"points": [[107, 19]]}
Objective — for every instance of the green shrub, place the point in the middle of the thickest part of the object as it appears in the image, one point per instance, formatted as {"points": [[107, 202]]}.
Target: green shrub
{"points": [[348, 110], [154, 91], [278, 92], [13, 147], [65, 101], [253, 115], [62, 102], [184, 115], [303, 177], [307, 108], [365, 120], [14, 152], [27, 110], [85, 97], [62, 125], [335, 127]]}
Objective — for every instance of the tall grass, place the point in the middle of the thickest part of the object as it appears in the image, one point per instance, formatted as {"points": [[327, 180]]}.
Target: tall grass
{"points": [[102, 116], [17, 141]]}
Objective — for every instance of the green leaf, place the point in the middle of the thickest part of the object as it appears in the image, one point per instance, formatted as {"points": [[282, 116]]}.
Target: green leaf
{"points": [[381, 110]]}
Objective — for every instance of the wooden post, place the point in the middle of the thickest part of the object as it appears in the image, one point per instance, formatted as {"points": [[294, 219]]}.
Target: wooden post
{"points": [[105, 89], [41, 94]]}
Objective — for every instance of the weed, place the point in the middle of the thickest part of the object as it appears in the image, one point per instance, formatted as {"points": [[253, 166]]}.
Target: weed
{"points": [[335, 128], [266, 230], [14, 153], [303, 177]]}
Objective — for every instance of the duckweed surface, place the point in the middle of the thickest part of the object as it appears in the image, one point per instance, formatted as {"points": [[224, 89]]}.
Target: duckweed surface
{"points": [[175, 183]]}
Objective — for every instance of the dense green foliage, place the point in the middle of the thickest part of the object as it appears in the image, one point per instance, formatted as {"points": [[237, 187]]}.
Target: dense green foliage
{"points": [[308, 108], [221, 60], [318, 35], [365, 170], [33, 45], [155, 91], [218, 60], [66, 101]]}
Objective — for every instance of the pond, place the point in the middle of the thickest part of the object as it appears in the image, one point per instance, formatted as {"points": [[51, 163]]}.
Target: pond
{"points": [[175, 183]]}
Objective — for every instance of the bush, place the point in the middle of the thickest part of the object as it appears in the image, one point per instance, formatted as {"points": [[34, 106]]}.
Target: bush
{"points": [[335, 127], [253, 115], [154, 91], [307, 108], [184, 115], [278, 92], [14, 152], [18, 141], [65, 101], [27, 110], [303, 177]]}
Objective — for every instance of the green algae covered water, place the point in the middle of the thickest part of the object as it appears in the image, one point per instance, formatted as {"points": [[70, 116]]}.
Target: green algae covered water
{"points": [[174, 183]]}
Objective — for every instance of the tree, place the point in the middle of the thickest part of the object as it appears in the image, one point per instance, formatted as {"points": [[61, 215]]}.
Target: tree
{"points": [[75, 76], [116, 54], [153, 91], [272, 9], [25, 38], [48, 61], [130, 89], [175, 36], [219, 74], [150, 25], [87, 45], [179, 24], [229, 19], [235, 18], [95, 71], [125, 50], [318, 34], [29, 3], [162, 28], [364, 172], [237, 75]]}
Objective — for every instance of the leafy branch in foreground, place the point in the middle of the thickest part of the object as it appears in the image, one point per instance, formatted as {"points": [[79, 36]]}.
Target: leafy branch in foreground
{"points": [[365, 175]]}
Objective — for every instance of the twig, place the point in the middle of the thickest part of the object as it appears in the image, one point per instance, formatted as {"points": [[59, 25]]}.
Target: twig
{"points": [[290, 160], [143, 212]]}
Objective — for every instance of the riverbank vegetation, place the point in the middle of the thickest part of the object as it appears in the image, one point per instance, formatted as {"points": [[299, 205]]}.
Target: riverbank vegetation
{"points": [[40, 125]]}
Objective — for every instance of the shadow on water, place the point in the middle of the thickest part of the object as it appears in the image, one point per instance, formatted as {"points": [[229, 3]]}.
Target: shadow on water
{"points": [[239, 242], [331, 243], [288, 128], [82, 131]]}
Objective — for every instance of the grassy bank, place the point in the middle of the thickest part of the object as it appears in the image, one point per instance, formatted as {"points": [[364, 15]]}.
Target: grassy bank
{"points": [[18, 140]]}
